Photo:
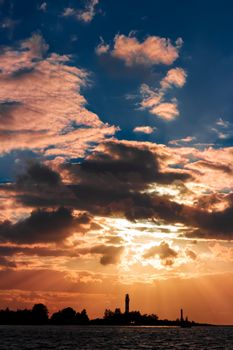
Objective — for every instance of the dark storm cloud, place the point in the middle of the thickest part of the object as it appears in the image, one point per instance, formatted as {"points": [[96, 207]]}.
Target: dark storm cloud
{"points": [[39, 174], [43, 226], [7, 108], [7, 251], [113, 182], [107, 183], [208, 201], [40, 186], [164, 251], [110, 254], [5, 263], [216, 224], [127, 164]]}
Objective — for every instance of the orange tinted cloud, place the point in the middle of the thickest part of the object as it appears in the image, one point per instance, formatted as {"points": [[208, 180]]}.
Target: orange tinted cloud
{"points": [[175, 76], [151, 98], [102, 47], [155, 99], [144, 129], [164, 251], [166, 110], [41, 103], [153, 50], [86, 15]]}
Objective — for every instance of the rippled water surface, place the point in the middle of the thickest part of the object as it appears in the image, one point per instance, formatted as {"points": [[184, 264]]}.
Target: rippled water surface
{"points": [[114, 338]]}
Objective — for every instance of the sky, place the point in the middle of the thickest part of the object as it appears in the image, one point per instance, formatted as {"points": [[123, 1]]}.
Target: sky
{"points": [[116, 146]]}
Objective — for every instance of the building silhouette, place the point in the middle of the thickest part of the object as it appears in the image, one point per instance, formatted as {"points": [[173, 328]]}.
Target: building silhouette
{"points": [[127, 304]]}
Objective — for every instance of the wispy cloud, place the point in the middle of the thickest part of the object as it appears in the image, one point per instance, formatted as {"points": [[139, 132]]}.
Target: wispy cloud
{"points": [[89, 12], [86, 15], [155, 99], [223, 129], [43, 6], [144, 129], [102, 47], [186, 139]]}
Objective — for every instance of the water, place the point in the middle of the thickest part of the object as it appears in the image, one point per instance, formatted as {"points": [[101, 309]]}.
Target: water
{"points": [[114, 338]]}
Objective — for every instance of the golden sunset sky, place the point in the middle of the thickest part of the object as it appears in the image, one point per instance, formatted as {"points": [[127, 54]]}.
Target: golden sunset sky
{"points": [[116, 157]]}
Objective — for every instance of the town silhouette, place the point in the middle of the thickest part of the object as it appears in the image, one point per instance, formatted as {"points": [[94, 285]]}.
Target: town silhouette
{"points": [[39, 315]]}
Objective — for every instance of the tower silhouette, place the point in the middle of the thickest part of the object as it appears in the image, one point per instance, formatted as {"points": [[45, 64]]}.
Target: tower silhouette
{"points": [[181, 315], [127, 304]]}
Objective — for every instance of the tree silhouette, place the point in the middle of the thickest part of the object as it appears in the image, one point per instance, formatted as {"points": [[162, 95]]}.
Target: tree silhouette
{"points": [[68, 316], [40, 314], [82, 318]]}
